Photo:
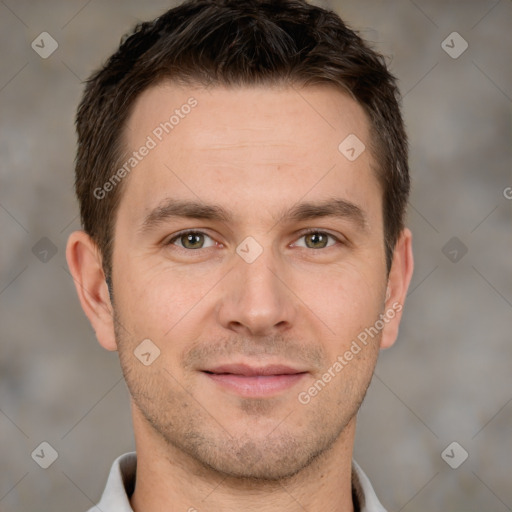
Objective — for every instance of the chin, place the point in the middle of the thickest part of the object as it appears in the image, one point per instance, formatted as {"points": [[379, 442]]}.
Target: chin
{"points": [[263, 460]]}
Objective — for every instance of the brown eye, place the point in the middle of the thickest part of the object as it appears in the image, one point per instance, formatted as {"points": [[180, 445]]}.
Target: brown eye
{"points": [[191, 240], [316, 240]]}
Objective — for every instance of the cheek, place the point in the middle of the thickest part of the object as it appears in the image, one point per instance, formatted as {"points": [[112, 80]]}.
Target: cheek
{"points": [[346, 299], [162, 304], [349, 305]]}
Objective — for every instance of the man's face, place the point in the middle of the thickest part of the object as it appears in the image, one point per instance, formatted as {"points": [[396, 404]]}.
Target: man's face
{"points": [[249, 310]]}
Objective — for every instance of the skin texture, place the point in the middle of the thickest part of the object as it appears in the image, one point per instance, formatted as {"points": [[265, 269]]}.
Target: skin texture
{"points": [[256, 152]]}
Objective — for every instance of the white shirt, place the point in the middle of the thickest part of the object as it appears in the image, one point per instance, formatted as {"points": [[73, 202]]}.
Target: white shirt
{"points": [[121, 483]]}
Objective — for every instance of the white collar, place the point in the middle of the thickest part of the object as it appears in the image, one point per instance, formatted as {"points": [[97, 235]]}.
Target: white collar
{"points": [[121, 482]]}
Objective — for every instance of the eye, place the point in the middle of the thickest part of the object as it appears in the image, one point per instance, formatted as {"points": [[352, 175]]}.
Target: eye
{"points": [[314, 239], [191, 240]]}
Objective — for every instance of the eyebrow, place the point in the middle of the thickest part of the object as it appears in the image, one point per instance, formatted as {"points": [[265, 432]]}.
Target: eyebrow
{"points": [[338, 208], [175, 208]]}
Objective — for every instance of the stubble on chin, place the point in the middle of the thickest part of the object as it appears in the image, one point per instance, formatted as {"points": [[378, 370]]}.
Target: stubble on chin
{"points": [[296, 435]]}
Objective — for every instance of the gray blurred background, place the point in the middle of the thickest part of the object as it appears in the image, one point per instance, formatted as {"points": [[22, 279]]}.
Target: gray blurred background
{"points": [[447, 379]]}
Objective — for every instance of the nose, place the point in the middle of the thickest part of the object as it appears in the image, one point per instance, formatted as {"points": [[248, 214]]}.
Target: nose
{"points": [[256, 299]]}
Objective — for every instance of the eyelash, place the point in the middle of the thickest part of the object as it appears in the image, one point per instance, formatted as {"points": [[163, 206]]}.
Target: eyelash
{"points": [[308, 231]]}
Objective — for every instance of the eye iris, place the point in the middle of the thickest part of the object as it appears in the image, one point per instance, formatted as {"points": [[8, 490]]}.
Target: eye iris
{"points": [[318, 240], [192, 240]]}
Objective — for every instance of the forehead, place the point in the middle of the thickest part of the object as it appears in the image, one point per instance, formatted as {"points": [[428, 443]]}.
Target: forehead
{"points": [[266, 144], [255, 114]]}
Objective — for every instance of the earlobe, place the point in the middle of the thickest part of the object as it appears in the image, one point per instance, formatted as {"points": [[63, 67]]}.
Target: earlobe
{"points": [[85, 263], [398, 283]]}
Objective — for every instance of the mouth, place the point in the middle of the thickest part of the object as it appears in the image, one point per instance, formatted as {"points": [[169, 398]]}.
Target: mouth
{"points": [[255, 382]]}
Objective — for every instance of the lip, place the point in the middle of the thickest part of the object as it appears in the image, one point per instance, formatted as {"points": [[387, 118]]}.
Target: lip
{"points": [[251, 371], [255, 382]]}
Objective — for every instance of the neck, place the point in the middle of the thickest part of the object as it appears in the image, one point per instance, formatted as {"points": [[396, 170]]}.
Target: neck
{"points": [[166, 476]]}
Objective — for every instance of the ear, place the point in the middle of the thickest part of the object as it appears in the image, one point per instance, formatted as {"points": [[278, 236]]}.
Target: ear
{"points": [[85, 263], [398, 283]]}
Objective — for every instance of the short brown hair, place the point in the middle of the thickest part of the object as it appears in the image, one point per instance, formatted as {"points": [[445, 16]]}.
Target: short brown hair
{"points": [[236, 43]]}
